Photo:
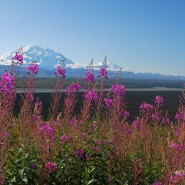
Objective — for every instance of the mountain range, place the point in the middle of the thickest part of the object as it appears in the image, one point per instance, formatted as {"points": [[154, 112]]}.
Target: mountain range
{"points": [[48, 59]]}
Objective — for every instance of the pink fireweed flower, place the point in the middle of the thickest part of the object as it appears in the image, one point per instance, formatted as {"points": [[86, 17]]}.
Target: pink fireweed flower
{"points": [[180, 116], [89, 78], [51, 166], [7, 84], [18, 57], [155, 117], [33, 165], [136, 124], [30, 97], [159, 100], [46, 129], [99, 142], [166, 121], [108, 103], [75, 87], [65, 138], [61, 72], [126, 114], [33, 68], [81, 153], [91, 96], [157, 183], [180, 174], [177, 146], [96, 148], [103, 73], [118, 89], [146, 106], [177, 177]]}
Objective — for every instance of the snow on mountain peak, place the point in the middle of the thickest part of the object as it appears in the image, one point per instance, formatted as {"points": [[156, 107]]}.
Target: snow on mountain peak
{"points": [[46, 57]]}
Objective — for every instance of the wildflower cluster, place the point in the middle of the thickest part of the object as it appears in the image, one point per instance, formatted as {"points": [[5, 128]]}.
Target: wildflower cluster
{"points": [[18, 58], [33, 68], [51, 166], [47, 130], [177, 146], [108, 103], [7, 84], [146, 106], [177, 177], [118, 89], [89, 78], [103, 73], [61, 72], [91, 96], [65, 138], [159, 100], [75, 87], [96, 146]]}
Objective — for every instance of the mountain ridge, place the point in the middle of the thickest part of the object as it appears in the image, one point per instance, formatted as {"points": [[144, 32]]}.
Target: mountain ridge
{"points": [[48, 59]]}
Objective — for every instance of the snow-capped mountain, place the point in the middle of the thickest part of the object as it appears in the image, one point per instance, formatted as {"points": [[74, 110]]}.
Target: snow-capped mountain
{"points": [[46, 57]]}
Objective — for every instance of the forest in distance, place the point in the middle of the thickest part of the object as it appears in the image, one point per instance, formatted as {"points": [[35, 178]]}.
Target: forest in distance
{"points": [[127, 82], [133, 98]]}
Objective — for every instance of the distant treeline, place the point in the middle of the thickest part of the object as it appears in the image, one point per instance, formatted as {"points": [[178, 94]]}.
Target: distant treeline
{"points": [[128, 83]]}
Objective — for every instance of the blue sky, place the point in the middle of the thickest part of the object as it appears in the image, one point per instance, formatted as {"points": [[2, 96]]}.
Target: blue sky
{"points": [[141, 35]]}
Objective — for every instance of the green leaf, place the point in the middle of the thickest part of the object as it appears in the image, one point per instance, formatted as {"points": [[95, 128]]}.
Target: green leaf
{"points": [[91, 181]]}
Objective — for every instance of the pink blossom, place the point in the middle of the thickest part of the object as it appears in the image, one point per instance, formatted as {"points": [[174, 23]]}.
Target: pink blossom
{"points": [[146, 106], [65, 138], [51, 166], [46, 129], [108, 103], [118, 89], [61, 72], [7, 84], [19, 58], [96, 148], [159, 100], [103, 72], [180, 116], [136, 124], [75, 87], [126, 114], [33, 68], [155, 117], [177, 146], [89, 78], [91, 96], [166, 121], [81, 153], [157, 183]]}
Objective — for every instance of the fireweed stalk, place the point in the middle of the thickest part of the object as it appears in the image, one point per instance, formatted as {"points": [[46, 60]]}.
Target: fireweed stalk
{"points": [[16, 63], [103, 77], [70, 101], [46, 143], [26, 112], [7, 100], [90, 95], [60, 75]]}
